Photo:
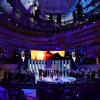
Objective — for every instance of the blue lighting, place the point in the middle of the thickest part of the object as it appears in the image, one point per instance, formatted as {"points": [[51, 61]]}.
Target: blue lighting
{"points": [[7, 7]]}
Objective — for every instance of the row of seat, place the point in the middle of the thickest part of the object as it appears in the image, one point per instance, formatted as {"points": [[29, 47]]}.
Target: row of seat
{"points": [[82, 91]]}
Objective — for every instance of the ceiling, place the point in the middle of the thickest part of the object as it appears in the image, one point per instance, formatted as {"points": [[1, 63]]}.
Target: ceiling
{"points": [[21, 11]]}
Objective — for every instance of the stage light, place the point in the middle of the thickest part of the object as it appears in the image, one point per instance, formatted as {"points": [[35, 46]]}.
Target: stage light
{"points": [[8, 19], [87, 19], [94, 22], [97, 12], [77, 95]]}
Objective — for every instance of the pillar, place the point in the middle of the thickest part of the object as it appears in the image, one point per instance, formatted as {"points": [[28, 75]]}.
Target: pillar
{"points": [[62, 68], [65, 68]]}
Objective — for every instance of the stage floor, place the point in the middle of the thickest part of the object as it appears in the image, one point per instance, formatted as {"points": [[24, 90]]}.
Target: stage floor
{"points": [[61, 80]]}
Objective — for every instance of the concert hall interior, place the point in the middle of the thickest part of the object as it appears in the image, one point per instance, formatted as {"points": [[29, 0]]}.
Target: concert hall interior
{"points": [[49, 50]]}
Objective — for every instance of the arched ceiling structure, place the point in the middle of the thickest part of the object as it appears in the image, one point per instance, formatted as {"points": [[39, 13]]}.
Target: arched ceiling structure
{"points": [[20, 12], [65, 7]]}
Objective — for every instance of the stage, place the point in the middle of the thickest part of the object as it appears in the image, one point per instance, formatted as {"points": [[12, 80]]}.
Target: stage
{"points": [[61, 80]]}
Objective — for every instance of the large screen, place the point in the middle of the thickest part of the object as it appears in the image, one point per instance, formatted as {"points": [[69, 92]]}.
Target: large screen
{"points": [[46, 55]]}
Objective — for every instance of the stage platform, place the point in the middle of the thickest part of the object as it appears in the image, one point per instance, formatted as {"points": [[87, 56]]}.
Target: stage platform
{"points": [[61, 80]]}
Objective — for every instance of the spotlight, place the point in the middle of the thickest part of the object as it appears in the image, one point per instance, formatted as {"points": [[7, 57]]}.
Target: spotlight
{"points": [[94, 22], [97, 12], [87, 19], [8, 19]]}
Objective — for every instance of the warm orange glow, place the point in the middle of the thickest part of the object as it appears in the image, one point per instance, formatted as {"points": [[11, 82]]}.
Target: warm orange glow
{"points": [[61, 53], [48, 55], [45, 55], [41, 56], [37, 55]]}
